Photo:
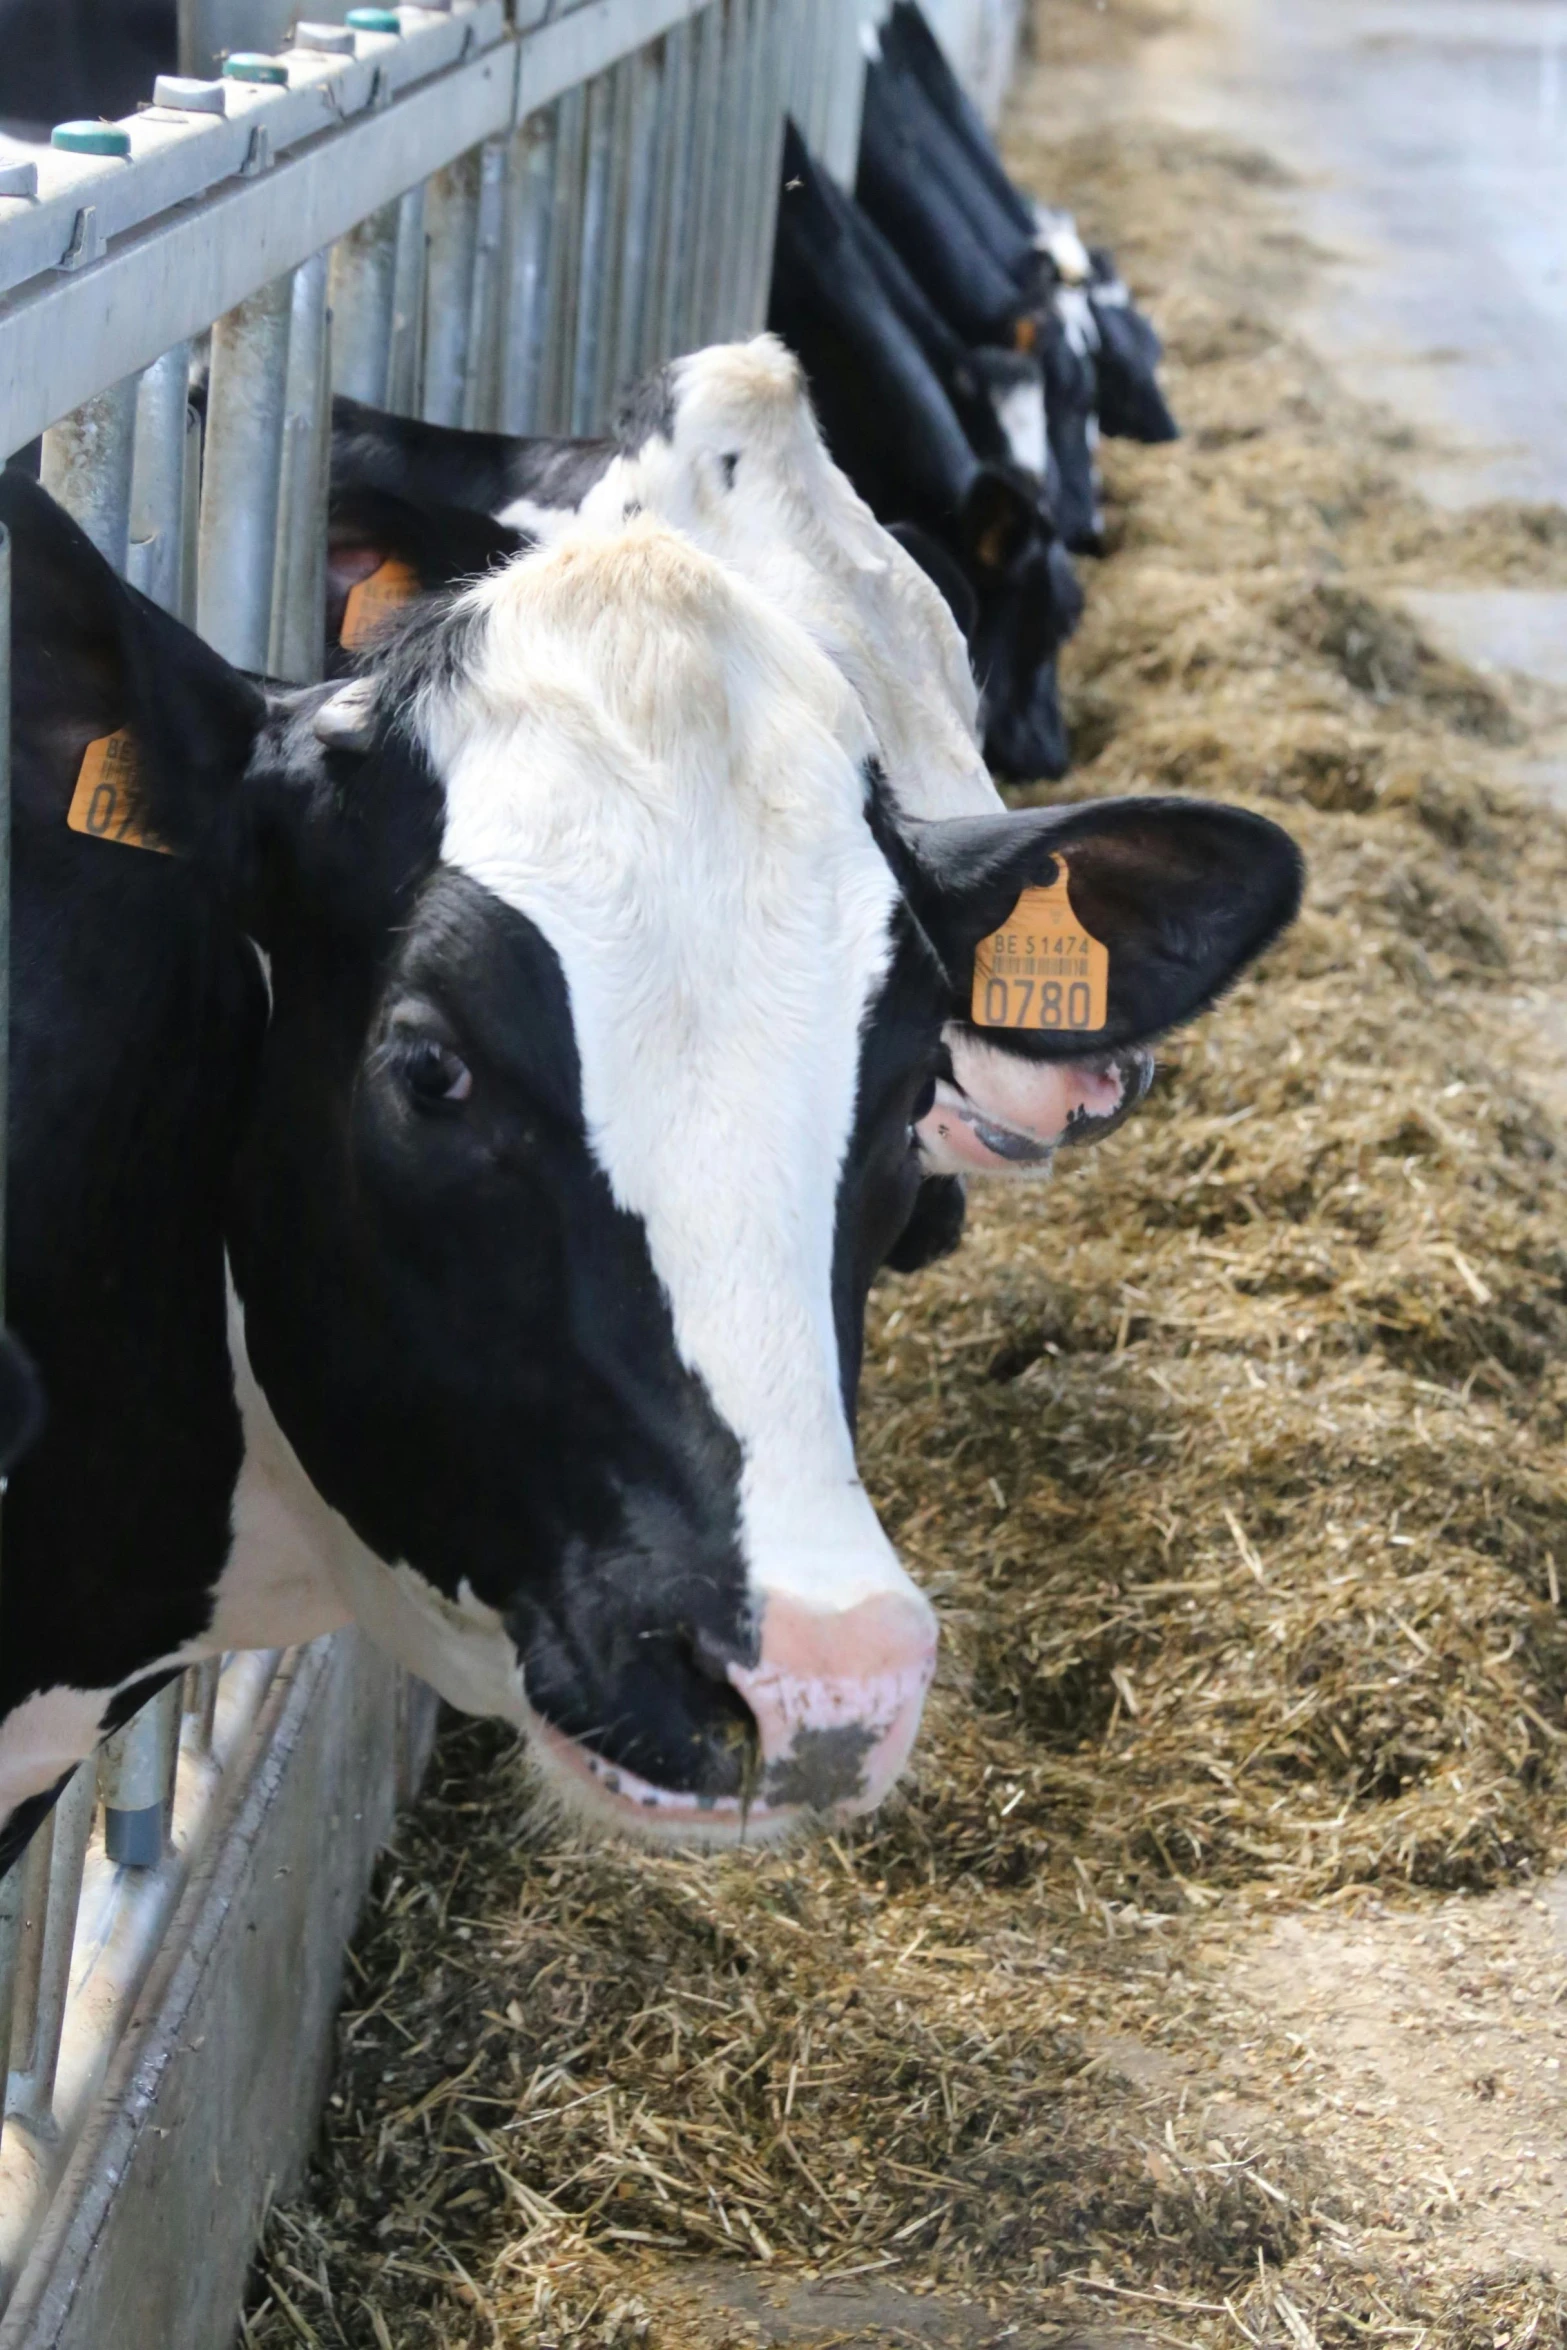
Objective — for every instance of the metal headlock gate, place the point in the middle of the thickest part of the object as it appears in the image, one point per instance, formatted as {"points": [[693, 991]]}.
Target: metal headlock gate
{"points": [[480, 221]]}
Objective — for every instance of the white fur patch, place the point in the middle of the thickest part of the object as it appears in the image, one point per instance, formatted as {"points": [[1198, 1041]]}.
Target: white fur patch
{"points": [[542, 522], [1020, 412]]}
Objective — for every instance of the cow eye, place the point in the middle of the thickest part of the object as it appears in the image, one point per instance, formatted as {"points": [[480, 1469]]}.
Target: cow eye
{"points": [[435, 1076]]}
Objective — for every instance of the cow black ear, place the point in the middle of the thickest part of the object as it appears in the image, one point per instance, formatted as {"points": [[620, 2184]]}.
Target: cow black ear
{"points": [[383, 550], [943, 569], [1181, 894], [997, 520], [92, 659]]}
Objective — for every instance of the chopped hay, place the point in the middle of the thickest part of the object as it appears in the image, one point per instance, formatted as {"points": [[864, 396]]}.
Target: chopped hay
{"points": [[1234, 1464]]}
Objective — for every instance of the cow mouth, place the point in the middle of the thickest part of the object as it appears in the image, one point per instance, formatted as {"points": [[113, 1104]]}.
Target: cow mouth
{"points": [[823, 1747], [1134, 1068]]}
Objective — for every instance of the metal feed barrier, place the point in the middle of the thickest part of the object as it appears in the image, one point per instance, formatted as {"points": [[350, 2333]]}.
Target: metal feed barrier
{"points": [[479, 221]]}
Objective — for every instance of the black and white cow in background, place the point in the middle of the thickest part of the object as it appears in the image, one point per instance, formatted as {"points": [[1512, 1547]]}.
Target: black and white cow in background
{"points": [[999, 267], [891, 426], [724, 445], [447, 1181]]}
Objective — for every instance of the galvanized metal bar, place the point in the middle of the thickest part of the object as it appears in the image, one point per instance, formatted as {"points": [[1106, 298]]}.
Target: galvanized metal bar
{"points": [[451, 228], [133, 1770], [242, 475], [677, 216], [771, 59], [594, 259], [645, 73], [362, 280], [299, 574], [565, 263], [731, 167], [530, 220], [48, 1930], [481, 391], [612, 282], [156, 554], [672, 66], [200, 1702], [87, 459], [702, 227], [405, 358]]}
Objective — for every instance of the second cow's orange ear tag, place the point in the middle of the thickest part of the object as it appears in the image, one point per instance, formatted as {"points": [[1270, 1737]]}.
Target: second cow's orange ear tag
{"points": [[104, 803], [1042, 970], [372, 601]]}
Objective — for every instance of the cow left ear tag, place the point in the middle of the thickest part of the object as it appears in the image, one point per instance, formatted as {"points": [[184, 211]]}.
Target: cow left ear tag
{"points": [[104, 803], [1042, 971], [372, 601]]}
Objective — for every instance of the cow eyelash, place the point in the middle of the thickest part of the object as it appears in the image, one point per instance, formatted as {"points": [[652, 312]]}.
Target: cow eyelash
{"points": [[435, 1077]]}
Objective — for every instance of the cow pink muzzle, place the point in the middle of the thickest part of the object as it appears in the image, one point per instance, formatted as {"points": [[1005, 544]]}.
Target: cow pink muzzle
{"points": [[836, 1697]]}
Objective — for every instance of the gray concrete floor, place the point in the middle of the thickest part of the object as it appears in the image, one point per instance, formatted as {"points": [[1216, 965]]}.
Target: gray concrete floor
{"points": [[1430, 137]]}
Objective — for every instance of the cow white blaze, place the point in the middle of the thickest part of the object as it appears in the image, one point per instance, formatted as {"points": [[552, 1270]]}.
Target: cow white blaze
{"points": [[668, 782]]}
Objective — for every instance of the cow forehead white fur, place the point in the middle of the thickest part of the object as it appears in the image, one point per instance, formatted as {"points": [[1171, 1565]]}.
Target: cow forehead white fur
{"points": [[788, 518], [665, 775]]}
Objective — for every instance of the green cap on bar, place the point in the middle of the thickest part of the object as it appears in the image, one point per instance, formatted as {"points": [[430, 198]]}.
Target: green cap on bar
{"points": [[246, 65], [90, 138], [373, 20]]}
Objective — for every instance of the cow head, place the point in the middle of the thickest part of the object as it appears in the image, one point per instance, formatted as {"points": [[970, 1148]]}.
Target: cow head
{"points": [[1027, 603]]}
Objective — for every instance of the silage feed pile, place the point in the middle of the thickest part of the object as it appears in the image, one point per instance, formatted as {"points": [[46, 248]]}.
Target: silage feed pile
{"points": [[1234, 1462]]}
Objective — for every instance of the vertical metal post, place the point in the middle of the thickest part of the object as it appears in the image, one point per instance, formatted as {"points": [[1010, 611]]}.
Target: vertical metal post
{"points": [[87, 467], [732, 165], [451, 224], [560, 333], [407, 345], [362, 286], [242, 475], [530, 217], [134, 1768], [702, 239], [677, 211], [771, 111], [156, 554], [52, 1890], [190, 512], [201, 1701], [639, 240], [612, 275], [299, 575], [594, 260], [481, 393]]}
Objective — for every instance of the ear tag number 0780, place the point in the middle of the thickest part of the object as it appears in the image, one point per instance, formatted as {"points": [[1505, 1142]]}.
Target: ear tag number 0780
{"points": [[1042, 970]]}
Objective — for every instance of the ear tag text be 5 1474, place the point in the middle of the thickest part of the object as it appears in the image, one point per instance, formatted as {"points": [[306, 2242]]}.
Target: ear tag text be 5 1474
{"points": [[104, 803], [372, 601], [1042, 970]]}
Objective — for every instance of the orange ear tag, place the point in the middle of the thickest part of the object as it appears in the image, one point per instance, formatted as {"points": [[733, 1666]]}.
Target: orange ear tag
{"points": [[372, 601], [103, 804], [1042, 971]]}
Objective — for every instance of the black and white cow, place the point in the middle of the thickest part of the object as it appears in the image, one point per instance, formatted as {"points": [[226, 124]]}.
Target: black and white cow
{"points": [[447, 1181]]}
